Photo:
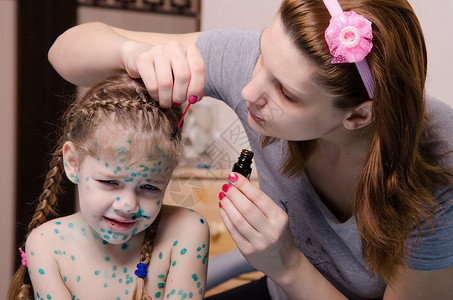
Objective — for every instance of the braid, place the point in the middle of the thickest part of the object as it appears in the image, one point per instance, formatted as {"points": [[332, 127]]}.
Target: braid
{"points": [[18, 289], [51, 188], [145, 257]]}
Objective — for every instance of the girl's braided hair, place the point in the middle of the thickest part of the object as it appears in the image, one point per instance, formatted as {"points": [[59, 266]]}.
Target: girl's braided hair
{"points": [[125, 101]]}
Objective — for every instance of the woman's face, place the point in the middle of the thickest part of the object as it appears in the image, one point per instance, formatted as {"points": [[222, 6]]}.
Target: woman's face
{"points": [[282, 98]]}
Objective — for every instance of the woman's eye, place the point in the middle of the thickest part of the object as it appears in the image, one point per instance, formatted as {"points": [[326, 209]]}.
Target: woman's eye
{"points": [[282, 93]]}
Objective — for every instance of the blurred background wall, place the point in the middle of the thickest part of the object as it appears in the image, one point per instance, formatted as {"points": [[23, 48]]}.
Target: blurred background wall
{"points": [[253, 14]]}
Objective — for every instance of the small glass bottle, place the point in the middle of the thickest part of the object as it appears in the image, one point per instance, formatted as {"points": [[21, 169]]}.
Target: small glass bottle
{"points": [[244, 164]]}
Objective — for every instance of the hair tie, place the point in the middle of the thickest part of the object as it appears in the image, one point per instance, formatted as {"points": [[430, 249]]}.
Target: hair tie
{"points": [[23, 256], [349, 37], [141, 270]]}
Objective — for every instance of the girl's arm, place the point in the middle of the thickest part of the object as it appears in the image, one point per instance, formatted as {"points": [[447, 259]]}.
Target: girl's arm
{"points": [[169, 64], [189, 255], [43, 269]]}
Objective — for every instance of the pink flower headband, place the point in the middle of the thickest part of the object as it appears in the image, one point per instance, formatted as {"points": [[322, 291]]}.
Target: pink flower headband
{"points": [[349, 37]]}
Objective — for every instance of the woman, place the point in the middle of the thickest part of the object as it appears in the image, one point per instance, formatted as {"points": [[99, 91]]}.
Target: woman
{"points": [[365, 200]]}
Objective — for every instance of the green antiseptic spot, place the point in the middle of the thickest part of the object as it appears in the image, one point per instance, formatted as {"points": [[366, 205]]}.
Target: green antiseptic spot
{"points": [[124, 246], [161, 276], [105, 284], [129, 180], [126, 291], [72, 257], [201, 221], [158, 202], [161, 285], [173, 263], [96, 272], [41, 271], [56, 230], [58, 223], [107, 165], [75, 178], [87, 179], [114, 268], [48, 296], [160, 255], [200, 291], [157, 295], [190, 295], [125, 270], [175, 243], [107, 258], [78, 278], [183, 251], [71, 225], [118, 198], [65, 278], [195, 277]]}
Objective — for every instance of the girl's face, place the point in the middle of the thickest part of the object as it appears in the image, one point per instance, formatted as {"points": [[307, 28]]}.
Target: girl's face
{"points": [[282, 98], [119, 200]]}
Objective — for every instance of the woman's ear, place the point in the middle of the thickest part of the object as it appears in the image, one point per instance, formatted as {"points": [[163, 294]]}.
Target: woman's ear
{"points": [[360, 117], [71, 162]]}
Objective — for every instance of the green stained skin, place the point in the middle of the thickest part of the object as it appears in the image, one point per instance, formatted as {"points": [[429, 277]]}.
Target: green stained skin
{"points": [[78, 278], [124, 246], [173, 263], [126, 291], [41, 271], [96, 272], [118, 198], [160, 255], [175, 243], [114, 268], [157, 295], [71, 225], [107, 258], [125, 270], [72, 257], [87, 179], [183, 251], [58, 223], [140, 215], [48, 296], [195, 277], [75, 178]]}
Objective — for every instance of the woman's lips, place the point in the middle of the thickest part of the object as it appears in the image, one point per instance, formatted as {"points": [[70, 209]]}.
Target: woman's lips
{"points": [[119, 225], [254, 117]]}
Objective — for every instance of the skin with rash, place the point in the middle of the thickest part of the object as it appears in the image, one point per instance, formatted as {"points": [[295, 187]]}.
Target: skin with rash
{"points": [[93, 254]]}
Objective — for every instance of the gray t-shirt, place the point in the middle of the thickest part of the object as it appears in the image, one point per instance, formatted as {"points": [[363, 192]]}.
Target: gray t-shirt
{"points": [[334, 248]]}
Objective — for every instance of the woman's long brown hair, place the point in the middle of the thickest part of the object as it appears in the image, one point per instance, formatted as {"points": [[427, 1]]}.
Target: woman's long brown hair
{"points": [[394, 194], [126, 101]]}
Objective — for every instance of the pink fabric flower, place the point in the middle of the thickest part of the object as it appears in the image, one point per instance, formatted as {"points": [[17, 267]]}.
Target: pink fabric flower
{"points": [[349, 37]]}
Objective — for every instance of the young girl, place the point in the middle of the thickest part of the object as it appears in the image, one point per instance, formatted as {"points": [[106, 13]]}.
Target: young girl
{"points": [[364, 209], [116, 146]]}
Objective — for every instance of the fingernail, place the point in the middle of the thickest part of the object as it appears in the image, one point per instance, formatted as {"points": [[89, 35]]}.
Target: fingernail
{"points": [[193, 99], [226, 187], [176, 104], [221, 195], [220, 205], [166, 108], [233, 177]]}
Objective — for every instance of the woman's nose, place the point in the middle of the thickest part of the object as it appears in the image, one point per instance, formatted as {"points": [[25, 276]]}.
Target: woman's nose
{"points": [[255, 91], [126, 202]]}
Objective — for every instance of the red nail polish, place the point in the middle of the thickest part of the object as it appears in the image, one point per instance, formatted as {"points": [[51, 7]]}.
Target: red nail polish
{"points": [[220, 205], [233, 177], [221, 195], [176, 104], [226, 187], [193, 99]]}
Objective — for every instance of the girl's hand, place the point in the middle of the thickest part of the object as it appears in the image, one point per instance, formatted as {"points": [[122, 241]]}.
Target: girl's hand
{"points": [[259, 227], [171, 71]]}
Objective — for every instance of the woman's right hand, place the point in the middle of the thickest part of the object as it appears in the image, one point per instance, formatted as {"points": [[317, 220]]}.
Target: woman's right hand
{"points": [[172, 71]]}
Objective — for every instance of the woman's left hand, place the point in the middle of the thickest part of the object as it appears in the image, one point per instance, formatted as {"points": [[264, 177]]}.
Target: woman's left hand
{"points": [[259, 227]]}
